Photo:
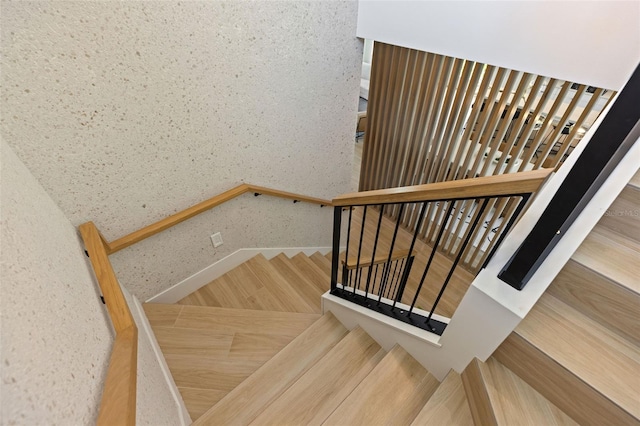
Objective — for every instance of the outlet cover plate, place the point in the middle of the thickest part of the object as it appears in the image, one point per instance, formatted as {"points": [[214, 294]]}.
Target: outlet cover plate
{"points": [[216, 239]]}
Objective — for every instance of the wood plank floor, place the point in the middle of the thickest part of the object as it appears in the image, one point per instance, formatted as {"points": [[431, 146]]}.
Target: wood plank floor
{"points": [[447, 406], [393, 393], [210, 351], [276, 375], [317, 393]]}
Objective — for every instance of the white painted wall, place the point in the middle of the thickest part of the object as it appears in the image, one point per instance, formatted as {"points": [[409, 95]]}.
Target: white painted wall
{"points": [[56, 334], [590, 42], [127, 112]]}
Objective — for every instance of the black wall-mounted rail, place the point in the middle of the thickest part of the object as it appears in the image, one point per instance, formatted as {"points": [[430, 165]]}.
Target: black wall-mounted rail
{"points": [[619, 130]]}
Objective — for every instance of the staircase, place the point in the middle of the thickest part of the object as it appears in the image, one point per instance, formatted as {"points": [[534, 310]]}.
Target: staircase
{"points": [[253, 347]]}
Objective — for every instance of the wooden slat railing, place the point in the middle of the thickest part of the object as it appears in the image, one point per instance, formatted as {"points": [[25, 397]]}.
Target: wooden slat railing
{"points": [[486, 186], [192, 211], [118, 403]]}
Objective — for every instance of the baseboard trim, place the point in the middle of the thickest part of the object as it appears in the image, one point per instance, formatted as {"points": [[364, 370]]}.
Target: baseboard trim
{"points": [[224, 265], [144, 328]]}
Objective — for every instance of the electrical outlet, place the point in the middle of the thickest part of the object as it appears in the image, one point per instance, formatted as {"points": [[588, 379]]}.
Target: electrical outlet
{"points": [[216, 239]]}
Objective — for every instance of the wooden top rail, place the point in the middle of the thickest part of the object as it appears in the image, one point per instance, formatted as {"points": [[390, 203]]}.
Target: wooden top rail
{"points": [[486, 186], [352, 262], [118, 403], [192, 211]]}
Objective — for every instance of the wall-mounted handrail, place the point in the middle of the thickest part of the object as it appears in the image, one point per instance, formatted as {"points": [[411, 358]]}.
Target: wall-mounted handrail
{"points": [[485, 186], [192, 211], [118, 403]]}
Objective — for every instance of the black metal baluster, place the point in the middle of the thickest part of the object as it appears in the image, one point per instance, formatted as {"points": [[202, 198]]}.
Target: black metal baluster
{"points": [[393, 242], [346, 252], [396, 278], [373, 255], [393, 275], [374, 280], [335, 255], [358, 277], [445, 221], [514, 217], [455, 262], [405, 274], [357, 280], [403, 281]]}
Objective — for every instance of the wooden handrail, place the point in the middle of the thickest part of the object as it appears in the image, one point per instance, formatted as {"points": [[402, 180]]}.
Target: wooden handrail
{"points": [[118, 402], [486, 186], [192, 211]]}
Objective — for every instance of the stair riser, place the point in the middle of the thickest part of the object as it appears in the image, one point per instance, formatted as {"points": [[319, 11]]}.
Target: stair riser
{"points": [[599, 298], [573, 396], [478, 396]]}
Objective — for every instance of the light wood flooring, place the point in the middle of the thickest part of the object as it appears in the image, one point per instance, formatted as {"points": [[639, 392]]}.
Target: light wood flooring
{"points": [[252, 347], [210, 351], [582, 337]]}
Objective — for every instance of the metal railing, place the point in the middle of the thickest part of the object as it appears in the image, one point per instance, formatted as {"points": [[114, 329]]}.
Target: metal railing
{"points": [[386, 267]]}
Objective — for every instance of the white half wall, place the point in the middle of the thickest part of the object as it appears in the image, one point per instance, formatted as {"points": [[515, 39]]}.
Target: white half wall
{"points": [[589, 42]]}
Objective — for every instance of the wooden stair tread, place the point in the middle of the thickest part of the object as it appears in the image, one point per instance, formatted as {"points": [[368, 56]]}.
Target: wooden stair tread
{"points": [[246, 401], [394, 392], [447, 406], [306, 289], [599, 298], [599, 357], [200, 400], [622, 216], [238, 288], [322, 262], [314, 274], [316, 394], [512, 401], [287, 293], [161, 313], [211, 350], [611, 255], [244, 320]]}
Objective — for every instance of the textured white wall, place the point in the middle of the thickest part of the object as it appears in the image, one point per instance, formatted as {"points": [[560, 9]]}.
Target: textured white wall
{"points": [[589, 42], [129, 111], [56, 338]]}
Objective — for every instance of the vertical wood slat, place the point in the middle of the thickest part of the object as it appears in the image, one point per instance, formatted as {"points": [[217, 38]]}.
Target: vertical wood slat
{"points": [[430, 100], [405, 119], [576, 127], [561, 124], [432, 118], [415, 137]]}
